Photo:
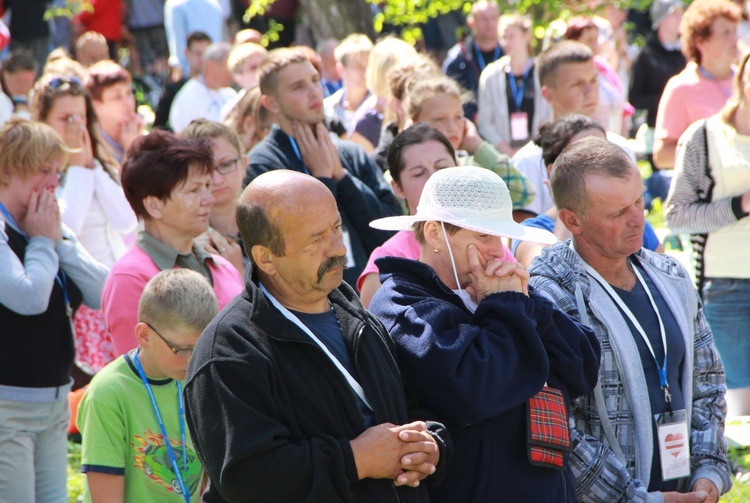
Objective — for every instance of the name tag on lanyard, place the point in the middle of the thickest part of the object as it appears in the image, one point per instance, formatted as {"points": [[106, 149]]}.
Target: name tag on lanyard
{"points": [[519, 121], [519, 126], [674, 444], [671, 425]]}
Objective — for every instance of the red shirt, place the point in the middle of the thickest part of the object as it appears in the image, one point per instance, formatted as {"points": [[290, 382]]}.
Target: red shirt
{"points": [[106, 19]]}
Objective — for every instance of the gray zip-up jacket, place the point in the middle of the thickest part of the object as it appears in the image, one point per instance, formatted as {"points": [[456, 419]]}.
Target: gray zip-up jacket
{"points": [[601, 475]]}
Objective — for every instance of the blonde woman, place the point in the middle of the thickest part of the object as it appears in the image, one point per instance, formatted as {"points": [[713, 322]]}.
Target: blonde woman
{"points": [[93, 202], [438, 102], [250, 120], [370, 117], [511, 106], [223, 235]]}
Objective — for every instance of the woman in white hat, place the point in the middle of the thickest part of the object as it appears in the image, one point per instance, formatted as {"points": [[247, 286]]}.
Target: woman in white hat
{"points": [[415, 154], [477, 348]]}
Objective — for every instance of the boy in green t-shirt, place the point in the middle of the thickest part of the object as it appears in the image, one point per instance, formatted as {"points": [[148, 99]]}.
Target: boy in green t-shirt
{"points": [[136, 401]]}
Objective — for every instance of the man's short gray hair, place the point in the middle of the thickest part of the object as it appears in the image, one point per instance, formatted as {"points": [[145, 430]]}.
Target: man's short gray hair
{"points": [[586, 157], [217, 52]]}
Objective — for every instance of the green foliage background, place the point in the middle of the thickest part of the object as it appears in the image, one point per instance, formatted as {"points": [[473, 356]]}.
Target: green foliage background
{"points": [[408, 15]]}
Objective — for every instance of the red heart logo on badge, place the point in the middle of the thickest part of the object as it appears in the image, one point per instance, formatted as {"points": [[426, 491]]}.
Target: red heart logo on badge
{"points": [[674, 442]]}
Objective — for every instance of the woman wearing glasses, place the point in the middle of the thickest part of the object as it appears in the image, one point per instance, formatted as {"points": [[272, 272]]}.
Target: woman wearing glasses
{"points": [[223, 235], [168, 182], [46, 274], [93, 204]]}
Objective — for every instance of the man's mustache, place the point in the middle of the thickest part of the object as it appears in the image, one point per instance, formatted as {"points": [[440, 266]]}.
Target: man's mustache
{"points": [[329, 264]]}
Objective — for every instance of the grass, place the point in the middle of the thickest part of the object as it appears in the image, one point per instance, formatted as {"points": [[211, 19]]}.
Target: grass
{"points": [[740, 492], [76, 481]]}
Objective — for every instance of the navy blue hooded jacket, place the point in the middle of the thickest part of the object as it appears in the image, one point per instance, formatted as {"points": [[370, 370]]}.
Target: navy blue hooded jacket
{"points": [[476, 372]]}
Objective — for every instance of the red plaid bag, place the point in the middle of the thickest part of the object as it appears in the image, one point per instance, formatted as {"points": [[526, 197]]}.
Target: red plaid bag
{"points": [[548, 430]]}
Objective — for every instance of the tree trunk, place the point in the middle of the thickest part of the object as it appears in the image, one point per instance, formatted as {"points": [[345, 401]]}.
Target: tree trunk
{"points": [[339, 18]]}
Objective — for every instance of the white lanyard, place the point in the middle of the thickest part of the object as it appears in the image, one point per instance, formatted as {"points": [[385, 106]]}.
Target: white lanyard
{"points": [[291, 317], [662, 369]]}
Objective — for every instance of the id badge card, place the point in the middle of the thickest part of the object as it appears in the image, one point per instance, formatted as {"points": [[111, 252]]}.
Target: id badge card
{"points": [[348, 244], [519, 126], [674, 444]]}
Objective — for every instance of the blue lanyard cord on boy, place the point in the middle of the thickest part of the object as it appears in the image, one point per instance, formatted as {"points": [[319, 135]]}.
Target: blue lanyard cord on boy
{"points": [[60, 278], [181, 407]]}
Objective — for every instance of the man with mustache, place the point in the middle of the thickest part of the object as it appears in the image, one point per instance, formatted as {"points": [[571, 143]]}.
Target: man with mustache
{"points": [[293, 393]]}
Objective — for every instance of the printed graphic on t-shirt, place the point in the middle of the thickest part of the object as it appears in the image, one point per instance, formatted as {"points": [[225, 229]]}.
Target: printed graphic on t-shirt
{"points": [[152, 457]]}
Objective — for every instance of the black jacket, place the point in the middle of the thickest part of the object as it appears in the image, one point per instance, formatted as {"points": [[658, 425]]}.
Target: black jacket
{"points": [[652, 68], [270, 415], [461, 64], [362, 195]]}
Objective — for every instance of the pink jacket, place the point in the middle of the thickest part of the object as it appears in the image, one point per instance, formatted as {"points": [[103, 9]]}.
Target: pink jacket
{"points": [[126, 281]]}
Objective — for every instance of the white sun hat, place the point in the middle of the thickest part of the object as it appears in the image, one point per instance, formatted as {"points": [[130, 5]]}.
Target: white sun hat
{"points": [[471, 198]]}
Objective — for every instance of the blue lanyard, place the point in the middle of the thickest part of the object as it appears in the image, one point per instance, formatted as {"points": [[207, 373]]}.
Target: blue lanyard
{"points": [[718, 83], [170, 451], [480, 57], [297, 153], [61, 279], [518, 91]]}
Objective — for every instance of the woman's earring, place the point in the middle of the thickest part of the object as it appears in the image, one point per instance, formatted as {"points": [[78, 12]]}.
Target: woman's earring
{"points": [[436, 250]]}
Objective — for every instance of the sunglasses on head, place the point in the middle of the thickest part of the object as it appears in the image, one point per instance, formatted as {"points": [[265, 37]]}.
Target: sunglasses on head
{"points": [[58, 82]]}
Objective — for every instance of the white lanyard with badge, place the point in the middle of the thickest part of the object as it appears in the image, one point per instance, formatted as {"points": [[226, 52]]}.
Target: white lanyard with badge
{"points": [[344, 232], [671, 425], [519, 120]]}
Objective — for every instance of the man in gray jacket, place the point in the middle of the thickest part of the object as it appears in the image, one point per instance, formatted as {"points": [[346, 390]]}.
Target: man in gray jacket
{"points": [[661, 380]]}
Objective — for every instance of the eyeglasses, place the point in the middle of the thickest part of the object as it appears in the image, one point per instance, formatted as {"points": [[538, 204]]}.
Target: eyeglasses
{"points": [[178, 351], [227, 167], [58, 82]]}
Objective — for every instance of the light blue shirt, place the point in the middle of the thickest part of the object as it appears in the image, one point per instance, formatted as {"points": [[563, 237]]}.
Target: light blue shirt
{"points": [[182, 17], [145, 13]]}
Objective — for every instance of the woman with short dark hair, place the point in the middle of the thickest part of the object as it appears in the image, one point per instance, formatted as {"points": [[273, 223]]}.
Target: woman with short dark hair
{"points": [[167, 181]]}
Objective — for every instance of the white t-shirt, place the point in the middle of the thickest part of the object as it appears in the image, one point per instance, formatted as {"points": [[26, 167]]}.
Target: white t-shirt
{"points": [[196, 100], [6, 108]]}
